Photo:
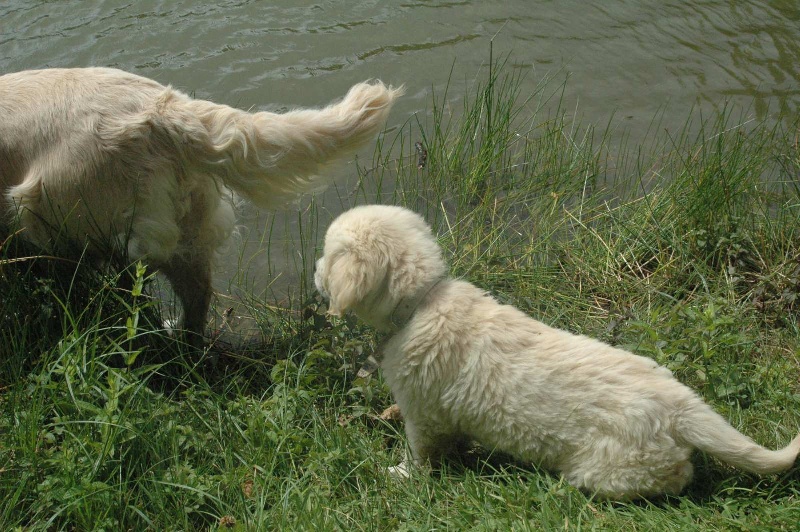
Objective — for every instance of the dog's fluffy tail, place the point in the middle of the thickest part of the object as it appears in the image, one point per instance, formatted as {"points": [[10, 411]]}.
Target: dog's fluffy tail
{"points": [[706, 430], [271, 158]]}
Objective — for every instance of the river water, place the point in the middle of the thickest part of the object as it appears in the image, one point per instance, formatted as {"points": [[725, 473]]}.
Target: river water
{"points": [[625, 60]]}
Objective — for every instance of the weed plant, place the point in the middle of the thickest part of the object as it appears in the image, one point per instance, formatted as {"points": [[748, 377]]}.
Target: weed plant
{"points": [[683, 247]]}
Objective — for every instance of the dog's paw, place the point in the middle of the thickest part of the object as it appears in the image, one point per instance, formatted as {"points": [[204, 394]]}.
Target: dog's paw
{"points": [[170, 326], [400, 471]]}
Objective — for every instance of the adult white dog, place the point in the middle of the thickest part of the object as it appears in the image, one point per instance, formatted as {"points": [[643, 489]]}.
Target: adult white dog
{"points": [[461, 365], [118, 162]]}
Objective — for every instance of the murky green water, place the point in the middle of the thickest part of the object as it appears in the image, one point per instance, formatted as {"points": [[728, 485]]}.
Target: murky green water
{"points": [[631, 56], [625, 59]]}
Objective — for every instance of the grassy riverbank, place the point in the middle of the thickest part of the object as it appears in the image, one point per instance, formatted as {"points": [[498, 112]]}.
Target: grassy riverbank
{"points": [[684, 248]]}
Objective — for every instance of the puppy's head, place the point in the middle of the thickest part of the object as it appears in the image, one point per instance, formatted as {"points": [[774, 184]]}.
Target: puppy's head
{"points": [[374, 256]]}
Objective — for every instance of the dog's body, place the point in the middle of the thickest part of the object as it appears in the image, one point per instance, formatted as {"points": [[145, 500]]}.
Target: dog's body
{"points": [[462, 366], [102, 158]]}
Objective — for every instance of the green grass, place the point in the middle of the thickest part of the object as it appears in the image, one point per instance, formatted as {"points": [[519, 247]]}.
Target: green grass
{"points": [[682, 247]]}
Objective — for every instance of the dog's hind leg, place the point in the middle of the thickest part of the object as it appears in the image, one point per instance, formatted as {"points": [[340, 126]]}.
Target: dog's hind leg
{"points": [[631, 481], [190, 277], [611, 470]]}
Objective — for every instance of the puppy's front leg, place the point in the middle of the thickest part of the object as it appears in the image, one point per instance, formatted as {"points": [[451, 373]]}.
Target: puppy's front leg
{"points": [[427, 446]]}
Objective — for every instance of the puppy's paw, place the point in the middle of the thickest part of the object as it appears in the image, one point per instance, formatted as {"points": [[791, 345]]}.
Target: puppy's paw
{"points": [[400, 471]]}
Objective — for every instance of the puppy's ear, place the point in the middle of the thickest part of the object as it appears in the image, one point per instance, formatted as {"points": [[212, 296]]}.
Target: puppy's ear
{"points": [[352, 277]]}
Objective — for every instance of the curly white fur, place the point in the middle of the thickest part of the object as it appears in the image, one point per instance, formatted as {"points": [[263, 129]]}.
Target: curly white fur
{"points": [[464, 366], [118, 162]]}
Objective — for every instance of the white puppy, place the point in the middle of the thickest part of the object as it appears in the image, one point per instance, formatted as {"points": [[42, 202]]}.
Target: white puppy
{"points": [[120, 163], [461, 365]]}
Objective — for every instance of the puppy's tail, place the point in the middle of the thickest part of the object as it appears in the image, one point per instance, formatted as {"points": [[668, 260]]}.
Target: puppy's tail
{"points": [[272, 158], [706, 430]]}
